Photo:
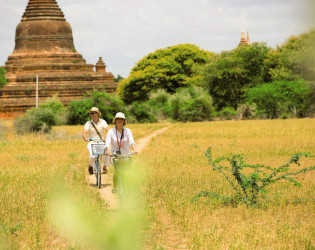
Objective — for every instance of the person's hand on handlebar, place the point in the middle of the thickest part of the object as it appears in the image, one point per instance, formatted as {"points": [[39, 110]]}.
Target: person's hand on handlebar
{"points": [[134, 148], [108, 151]]}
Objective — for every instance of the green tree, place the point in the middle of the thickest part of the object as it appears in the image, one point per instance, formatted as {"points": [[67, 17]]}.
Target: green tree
{"points": [[190, 105], [168, 69], [3, 79], [118, 78], [282, 98], [230, 74], [296, 58]]}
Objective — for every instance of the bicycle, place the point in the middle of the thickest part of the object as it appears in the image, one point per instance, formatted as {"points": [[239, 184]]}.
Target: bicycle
{"points": [[98, 149], [121, 164]]}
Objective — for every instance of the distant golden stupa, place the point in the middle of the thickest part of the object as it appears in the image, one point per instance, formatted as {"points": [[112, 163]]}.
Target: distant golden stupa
{"points": [[44, 47]]}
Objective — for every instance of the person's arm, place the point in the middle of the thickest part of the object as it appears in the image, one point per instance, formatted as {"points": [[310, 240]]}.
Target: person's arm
{"points": [[107, 144], [105, 126], [132, 142], [134, 148], [106, 129], [84, 135]]}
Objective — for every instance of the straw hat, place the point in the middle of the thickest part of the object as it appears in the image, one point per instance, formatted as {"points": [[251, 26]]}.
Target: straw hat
{"points": [[95, 109], [120, 115]]}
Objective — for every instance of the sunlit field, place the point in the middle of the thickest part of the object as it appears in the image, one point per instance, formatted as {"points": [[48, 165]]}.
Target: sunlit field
{"points": [[35, 167], [177, 170]]}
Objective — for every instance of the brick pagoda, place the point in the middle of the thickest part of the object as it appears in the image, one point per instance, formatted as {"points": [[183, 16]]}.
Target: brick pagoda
{"points": [[44, 47], [243, 40]]}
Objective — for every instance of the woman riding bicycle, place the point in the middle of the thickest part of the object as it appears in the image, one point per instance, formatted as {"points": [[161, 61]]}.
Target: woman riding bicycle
{"points": [[94, 129], [119, 140]]}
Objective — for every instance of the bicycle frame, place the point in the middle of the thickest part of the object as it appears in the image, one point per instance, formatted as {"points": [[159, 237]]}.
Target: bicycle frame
{"points": [[121, 163], [98, 149]]}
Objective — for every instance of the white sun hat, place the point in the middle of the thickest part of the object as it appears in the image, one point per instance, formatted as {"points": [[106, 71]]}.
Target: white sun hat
{"points": [[120, 115], [95, 109]]}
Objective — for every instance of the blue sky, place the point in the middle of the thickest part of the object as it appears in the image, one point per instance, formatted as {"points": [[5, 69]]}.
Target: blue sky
{"points": [[124, 31]]}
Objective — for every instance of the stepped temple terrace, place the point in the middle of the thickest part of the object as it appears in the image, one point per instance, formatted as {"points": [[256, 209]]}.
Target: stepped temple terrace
{"points": [[44, 47]]}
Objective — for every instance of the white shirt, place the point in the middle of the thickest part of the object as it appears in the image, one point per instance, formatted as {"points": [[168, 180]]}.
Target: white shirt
{"points": [[113, 140], [101, 125]]}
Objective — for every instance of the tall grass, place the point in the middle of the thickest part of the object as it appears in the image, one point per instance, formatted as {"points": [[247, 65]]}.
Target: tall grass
{"points": [[46, 201], [177, 170], [43, 182]]}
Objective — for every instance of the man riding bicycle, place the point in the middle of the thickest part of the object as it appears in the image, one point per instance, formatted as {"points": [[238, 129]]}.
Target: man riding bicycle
{"points": [[94, 129]]}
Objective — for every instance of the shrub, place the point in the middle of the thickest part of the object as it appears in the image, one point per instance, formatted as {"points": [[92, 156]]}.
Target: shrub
{"points": [[191, 104], [281, 98], [36, 120], [141, 112], [227, 113], [249, 184], [108, 104], [77, 112], [55, 105], [160, 104]]}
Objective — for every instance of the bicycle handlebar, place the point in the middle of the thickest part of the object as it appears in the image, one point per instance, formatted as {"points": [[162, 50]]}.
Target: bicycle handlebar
{"points": [[122, 155], [95, 140]]}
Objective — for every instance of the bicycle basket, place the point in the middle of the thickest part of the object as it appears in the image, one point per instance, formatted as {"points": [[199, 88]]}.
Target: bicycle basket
{"points": [[98, 149]]}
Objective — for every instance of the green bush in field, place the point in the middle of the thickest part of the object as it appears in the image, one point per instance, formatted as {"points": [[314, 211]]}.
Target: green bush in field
{"points": [[227, 113], [36, 120], [108, 104], [141, 113], [160, 103], [249, 185], [41, 119], [191, 104], [291, 98], [56, 106], [77, 112]]}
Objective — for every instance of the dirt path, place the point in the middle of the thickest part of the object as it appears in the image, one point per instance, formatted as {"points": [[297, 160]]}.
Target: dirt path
{"points": [[107, 180]]}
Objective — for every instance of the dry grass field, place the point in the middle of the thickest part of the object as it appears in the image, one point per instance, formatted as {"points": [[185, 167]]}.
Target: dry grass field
{"points": [[175, 170]]}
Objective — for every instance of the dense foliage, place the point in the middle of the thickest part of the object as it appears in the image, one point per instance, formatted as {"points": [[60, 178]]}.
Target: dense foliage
{"points": [[230, 74], [295, 59], [235, 77], [40, 119], [191, 104], [169, 69], [281, 99], [3, 79], [108, 104]]}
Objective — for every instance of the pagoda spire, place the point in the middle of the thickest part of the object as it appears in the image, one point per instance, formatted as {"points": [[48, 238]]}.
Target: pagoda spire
{"points": [[244, 41], [247, 39], [42, 10]]}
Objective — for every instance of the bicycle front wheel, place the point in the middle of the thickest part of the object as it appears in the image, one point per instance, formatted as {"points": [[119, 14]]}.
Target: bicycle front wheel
{"points": [[99, 173]]}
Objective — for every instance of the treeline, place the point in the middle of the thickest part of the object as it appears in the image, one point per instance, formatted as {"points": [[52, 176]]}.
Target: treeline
{"points": [[251, 81], [186, 83]]}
